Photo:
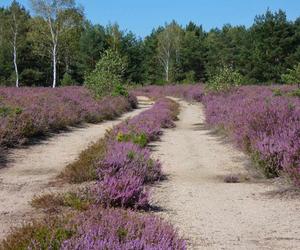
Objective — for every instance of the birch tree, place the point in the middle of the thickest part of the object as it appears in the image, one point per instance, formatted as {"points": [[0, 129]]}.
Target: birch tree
{"points": [[114, 36], [168, 47], [16, 24], [55, 14]]}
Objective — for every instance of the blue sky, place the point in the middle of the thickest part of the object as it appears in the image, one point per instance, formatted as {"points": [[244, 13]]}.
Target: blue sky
{"points": [[140, 16]]}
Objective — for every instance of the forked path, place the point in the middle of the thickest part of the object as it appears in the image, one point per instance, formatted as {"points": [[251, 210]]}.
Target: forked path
{"points": [[30, 170], [213, 214]]}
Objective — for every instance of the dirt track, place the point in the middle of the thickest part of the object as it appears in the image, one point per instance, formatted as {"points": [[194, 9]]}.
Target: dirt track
{"points": [[213, 214], [29, 170]]}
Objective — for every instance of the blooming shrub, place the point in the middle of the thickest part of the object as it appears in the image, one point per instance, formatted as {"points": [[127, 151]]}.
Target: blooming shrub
{"points": [[265, 125], [127, 165], [123, 189], [148, 123], [27, 112], [123, 156], [122, 229]]}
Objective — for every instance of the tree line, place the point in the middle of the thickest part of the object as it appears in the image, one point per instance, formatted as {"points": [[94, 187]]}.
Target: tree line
{"points": [[58, 46]]}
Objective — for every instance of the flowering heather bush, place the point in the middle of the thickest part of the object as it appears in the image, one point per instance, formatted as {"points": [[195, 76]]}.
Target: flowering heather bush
{"points": [[148, 123], [123, 189], [122, 229], [27, 112], [127, 166], [124, 156], [266, 125]]}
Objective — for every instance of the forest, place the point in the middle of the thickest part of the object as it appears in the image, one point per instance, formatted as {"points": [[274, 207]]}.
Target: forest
{"points": [[172, 53]]}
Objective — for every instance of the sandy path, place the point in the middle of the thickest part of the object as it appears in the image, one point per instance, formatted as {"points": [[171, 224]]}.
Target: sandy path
{"points": [[31, 169], [213, 214]]}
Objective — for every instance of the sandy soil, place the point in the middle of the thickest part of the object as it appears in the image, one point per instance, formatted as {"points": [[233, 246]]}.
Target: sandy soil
{"points": [[212, 214], [30, 170]]}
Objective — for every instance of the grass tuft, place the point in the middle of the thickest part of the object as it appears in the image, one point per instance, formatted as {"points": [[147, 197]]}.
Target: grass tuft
{"points": [[84, 169], [48, 234], [53, 203]]}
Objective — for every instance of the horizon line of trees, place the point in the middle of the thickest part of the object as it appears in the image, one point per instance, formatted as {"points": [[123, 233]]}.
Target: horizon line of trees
{"points": [[58, 46]]}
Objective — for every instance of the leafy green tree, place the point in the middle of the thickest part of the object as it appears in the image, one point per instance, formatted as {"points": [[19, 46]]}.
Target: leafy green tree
{"points": [[92, 44], [192, 54], [132, 50], [272, 43], [292, 76], [227, 46], [108, 73], [5, 63], [114, 36], [70, 44], [152, 71], [224, 80], [168, 49], [57, 16], [16, 28]]}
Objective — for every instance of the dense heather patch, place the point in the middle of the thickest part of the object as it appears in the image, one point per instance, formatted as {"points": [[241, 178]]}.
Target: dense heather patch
{"points": [[28, 112], [266, 125], [122, 229], [127, 165]]}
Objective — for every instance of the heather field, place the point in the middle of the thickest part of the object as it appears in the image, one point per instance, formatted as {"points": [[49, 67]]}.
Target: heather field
{"points": [[262, 121], [29, 112], [115, 200]]}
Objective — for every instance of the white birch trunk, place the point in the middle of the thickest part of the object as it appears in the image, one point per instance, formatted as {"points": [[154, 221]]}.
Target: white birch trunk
{"points": [[14, 43], [15, 59], [54, 37], [54, 53], [167, 71]]}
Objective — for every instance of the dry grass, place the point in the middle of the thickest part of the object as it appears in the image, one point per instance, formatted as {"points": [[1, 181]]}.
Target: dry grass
{"points": [[48, 234], [84, 168], [54, 203], [50, 203]]}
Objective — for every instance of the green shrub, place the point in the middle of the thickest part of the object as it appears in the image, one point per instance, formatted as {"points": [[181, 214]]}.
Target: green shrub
{"points": [[10, 111], [109, 71], [190, 77], [295, 93], [292, 76], [67, 80], [120, 90], [277, 92], [75, 201], [139, 139], [225, 79]]}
